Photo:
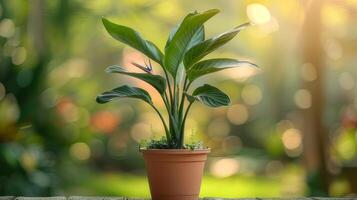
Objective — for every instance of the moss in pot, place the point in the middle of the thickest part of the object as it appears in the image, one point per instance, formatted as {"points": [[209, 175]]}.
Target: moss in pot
{"points": [[174, 168]]}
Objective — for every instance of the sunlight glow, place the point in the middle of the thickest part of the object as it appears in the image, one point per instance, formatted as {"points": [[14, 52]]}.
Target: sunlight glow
{"points": [[258, 13], [225, 167], [240, 74]]}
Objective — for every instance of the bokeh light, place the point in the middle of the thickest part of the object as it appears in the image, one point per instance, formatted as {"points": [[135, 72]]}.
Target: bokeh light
{"points": [[333, 49], [258, 13], [292, 139], [308, 72], [302, 99], [67, 109], [237, 114], [28, 161], [80, 151], [218, 128], [347, 146], [105, 121], [49, 97], [7, 28], [252, 94], [19, 55], [224, 167], [346, 81], [10, 112], [141, 131]]}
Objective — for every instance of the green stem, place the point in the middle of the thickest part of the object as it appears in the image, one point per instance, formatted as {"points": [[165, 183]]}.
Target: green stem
{"points": [[171, 121], [182, 132], [169, 108], [166, 101], [163, 122], [174, 110], [182, 103], [168, 84], [188, 85]]}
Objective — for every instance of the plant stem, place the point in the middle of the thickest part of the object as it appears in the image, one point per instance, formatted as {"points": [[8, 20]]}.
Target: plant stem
{"points": [[171, 135], [163, 122], [182, 99], [174, 110], [167, 105], [188, 85], [168, 84], [182, 132]]}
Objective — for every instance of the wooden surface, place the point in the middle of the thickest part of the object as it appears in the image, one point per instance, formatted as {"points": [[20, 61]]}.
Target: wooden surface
{"points": [[126, 198]]}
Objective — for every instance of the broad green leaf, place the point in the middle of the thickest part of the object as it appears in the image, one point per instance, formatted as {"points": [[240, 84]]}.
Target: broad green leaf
{"points": [[210, 96], [157, 81], [213, 65], [200, 50], [124, 92], [199, 36], [182, 39], [172, 33], [132, 38]]}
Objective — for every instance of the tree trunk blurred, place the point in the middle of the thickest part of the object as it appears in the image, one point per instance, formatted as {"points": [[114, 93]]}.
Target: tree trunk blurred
{"points": [[315, 137]]}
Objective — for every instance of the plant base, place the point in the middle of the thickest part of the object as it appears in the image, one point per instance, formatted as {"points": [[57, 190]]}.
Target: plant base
{"points": [[175, 174]]}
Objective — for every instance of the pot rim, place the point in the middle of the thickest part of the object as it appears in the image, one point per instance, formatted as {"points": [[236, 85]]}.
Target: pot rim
{"points": [[175, 151]]}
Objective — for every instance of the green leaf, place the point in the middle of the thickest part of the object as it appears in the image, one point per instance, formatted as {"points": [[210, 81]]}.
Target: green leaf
{"points": [[199, 36], [182, 39], [200, 50], [132, 38], [210, 96], [213, 65], [124, 92], [157, 81]]}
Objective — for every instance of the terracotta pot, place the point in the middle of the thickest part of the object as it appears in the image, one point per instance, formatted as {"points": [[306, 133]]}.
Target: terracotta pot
{"points": [[175, 174]]}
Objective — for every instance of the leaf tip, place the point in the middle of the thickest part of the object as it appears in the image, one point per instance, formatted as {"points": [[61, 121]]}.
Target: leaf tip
{"points": [[228, 101], [99, 100], [214, 10], [108, 70], [104, 20], [255, 65]]}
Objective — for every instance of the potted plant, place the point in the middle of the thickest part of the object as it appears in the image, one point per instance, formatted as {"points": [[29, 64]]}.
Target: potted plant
{"points": [[174, 168]]}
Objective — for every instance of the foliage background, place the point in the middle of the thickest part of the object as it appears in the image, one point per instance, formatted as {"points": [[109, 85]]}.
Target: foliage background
{"points": [[290, 131]]}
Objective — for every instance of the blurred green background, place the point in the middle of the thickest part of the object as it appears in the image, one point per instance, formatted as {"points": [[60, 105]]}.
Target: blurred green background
{"points": [[290, 131]]}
